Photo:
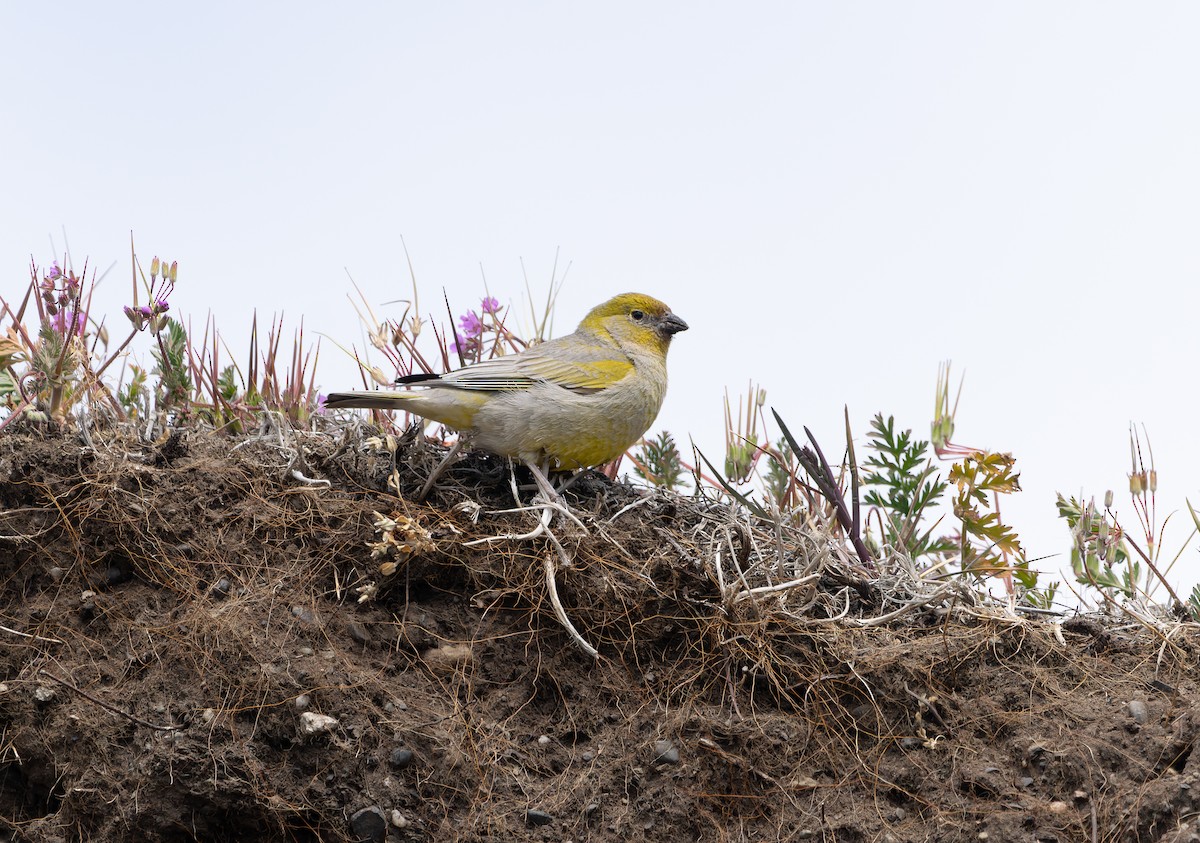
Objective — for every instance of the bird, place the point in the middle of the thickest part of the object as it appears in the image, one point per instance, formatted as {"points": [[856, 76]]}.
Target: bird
{"points": [[571, 402]]}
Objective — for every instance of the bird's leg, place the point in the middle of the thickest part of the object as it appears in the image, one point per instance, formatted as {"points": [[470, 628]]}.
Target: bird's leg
{"points": [[433, 476], [542, 479], [570, 481], [512, 482]]}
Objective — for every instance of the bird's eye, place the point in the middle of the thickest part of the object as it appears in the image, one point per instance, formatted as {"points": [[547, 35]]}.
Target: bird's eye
{"points": [[637, 315]]}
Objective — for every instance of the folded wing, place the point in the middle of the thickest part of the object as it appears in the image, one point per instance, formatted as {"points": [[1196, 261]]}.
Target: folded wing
{"points": [[586, 373]]}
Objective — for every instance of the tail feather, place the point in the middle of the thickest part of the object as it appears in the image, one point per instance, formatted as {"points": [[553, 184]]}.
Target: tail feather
{"points": [[367, 400], [452, 407], [419, 377]]}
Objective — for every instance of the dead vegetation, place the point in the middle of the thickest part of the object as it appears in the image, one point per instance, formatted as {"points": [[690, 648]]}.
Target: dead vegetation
{"points": [[215, 640]]}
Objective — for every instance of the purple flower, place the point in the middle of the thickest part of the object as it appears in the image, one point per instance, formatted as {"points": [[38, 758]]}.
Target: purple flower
{"points": [[490, 305], [55, 271], [466, 347], [471, 326], [64, 324]]}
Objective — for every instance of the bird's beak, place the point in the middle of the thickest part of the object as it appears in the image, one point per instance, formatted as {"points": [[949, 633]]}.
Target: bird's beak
{"points": [[671, 324]]}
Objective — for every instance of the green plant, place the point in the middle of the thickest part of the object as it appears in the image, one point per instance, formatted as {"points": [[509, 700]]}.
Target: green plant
{"points": [[987, 546], [742, 451], [133, 395], [1106, 557], [657, 461], [1099, 556], [174, 382], [905, 486], [985, 542], [780, 482]]}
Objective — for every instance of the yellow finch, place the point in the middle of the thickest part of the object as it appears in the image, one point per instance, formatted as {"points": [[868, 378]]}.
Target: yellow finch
{"points": [[570, 402]]}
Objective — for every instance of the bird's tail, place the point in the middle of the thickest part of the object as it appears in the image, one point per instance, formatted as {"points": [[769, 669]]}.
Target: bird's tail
{"points": [[368, 400]]}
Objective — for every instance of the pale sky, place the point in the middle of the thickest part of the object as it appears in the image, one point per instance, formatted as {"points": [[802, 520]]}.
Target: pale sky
{"points": [[835, 196]]}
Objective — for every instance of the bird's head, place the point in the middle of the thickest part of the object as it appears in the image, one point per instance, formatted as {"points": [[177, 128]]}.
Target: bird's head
{"points": [[637, 319]]}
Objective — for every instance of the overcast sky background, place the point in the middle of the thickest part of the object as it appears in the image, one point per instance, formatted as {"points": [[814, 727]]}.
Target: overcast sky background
{"points": [[835, 196]]}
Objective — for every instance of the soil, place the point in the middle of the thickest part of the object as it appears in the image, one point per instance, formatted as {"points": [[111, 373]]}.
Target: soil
{"points": [[199, 644]]}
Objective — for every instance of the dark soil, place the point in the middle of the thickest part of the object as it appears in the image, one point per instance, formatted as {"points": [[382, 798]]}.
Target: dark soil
{"points": [[176, 614]]}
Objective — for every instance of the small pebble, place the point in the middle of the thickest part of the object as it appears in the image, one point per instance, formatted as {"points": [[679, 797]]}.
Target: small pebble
{"points": [[312, 723], [1138, 711], [222, 587], [208, 715], [448, 658], [400, 758], [802, 781], [587, 756], [543, 740], [358, 632], [399, 820], [536, 817], [43, 693], [56, 573], [304, 614], [369, 825], [305, 651], [302, 702], [665, 752]]}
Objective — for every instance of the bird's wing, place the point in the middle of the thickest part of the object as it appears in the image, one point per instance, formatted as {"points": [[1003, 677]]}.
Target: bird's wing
{"points": [[580, 368]]}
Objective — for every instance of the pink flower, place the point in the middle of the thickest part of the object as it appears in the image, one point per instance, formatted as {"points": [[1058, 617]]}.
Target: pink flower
{"points": [[65, 325], [472, 327], [467, 346], [490, 305]]}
